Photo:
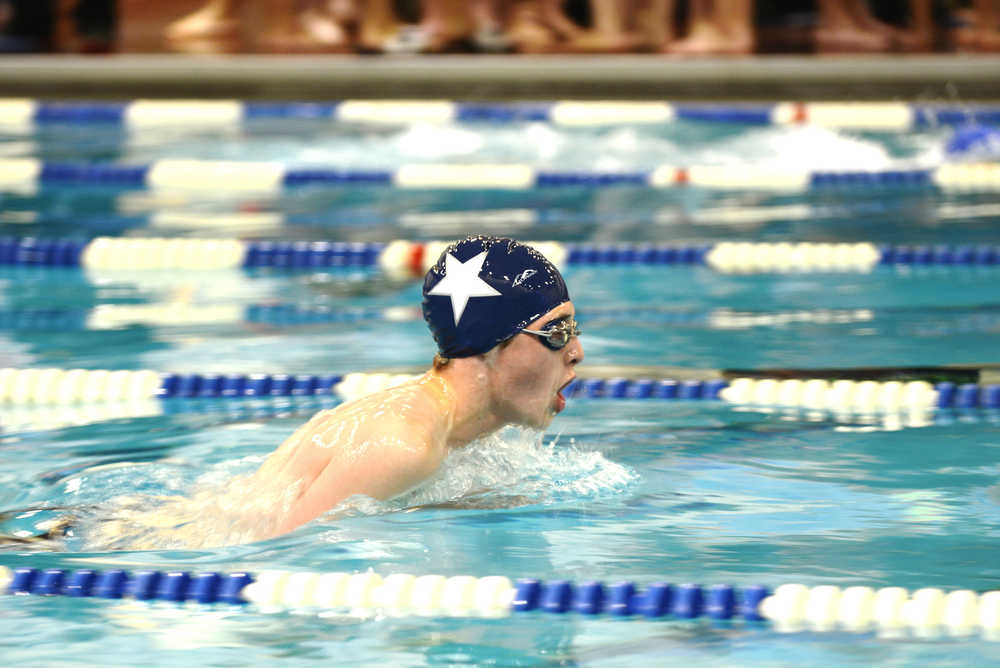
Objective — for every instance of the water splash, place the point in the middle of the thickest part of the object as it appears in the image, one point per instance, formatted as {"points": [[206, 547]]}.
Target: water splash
{"points": [[519, 462], [806, 147], [511, 468]]}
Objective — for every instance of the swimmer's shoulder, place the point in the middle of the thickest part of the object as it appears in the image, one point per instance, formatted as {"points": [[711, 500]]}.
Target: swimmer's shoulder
{"points": [[424, 396], [428, 387]]}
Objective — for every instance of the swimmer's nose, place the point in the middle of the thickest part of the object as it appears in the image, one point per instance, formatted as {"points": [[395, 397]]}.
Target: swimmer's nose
{"points": [[574, 351]]}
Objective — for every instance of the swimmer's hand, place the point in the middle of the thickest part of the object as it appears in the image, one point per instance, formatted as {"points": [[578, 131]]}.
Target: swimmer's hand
{"points": [[50, 532], [479, 500]]}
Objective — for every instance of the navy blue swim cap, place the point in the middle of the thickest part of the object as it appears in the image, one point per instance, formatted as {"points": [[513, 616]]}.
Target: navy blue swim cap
{"points": [[484, 290]]}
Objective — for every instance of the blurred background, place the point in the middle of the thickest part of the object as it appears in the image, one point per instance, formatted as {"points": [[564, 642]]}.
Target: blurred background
{"points": [[636, 48], [671, 27]]}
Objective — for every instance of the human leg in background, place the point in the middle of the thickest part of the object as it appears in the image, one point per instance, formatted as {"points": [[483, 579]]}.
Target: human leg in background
{"points": [[611, 29], [918, 35], [488, 16], [297, 26], [717, 27], [538, 26], [448, 25], [656, 21], [846, 26], [329, 23], [380, 30]]}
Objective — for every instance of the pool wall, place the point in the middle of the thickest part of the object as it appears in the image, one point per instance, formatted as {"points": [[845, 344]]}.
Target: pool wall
{"points": [[943, 78]]}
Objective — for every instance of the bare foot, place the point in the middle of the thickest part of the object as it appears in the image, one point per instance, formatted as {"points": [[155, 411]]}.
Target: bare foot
{"points": [[207, 30], [322, 28], [913, 41], [344, 12], [592, 41], [851, 41], [490, 38], [528, 32], [448, 34], [314, 37], [709, 41], [399, 38]]}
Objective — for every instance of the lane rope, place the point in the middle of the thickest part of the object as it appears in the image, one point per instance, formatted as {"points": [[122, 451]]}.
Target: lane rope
{"points": [[405, 260], [891, 611], [272, 178], [140, 114], [54, 386]]}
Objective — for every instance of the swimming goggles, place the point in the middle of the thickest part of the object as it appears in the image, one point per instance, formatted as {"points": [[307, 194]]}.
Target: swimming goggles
{"points": [[558, 335]]}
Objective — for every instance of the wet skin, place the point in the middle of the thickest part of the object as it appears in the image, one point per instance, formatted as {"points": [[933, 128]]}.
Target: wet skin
{"points": [[387, 443]]}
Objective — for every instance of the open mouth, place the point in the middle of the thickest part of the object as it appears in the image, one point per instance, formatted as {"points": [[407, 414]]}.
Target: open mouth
{"points": [[560, 400]]}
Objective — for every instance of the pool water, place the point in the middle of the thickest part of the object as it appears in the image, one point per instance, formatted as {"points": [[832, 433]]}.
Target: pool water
{"points": [[640, 490]]}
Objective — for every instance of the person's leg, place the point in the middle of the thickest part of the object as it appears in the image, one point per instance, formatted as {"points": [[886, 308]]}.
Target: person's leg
{"points": [[528, 28], [378, 24], [344, 12], [608, 29], [736, 19], [325, 24], [842, 28], [606, 16], [919, 32], [487, 18], [446, 23], [297, 26], [717, 27], [554, 17], [656, 20], [276, 28]]}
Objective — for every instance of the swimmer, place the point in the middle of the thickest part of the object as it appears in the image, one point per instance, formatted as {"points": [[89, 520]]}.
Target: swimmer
{"points": [[508, 346]]}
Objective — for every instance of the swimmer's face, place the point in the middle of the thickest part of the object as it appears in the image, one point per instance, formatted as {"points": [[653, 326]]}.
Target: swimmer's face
{"points": [[530, 376]]}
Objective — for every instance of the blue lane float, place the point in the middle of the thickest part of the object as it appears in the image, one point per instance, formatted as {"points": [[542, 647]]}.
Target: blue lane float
{"points": [[53, 386], [411, 259], [657, 600], [886, 116], [272, 178], [890, 611]]}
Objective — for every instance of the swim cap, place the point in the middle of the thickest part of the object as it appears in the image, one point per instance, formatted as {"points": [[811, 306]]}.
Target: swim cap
{"points": [[483, 290]]}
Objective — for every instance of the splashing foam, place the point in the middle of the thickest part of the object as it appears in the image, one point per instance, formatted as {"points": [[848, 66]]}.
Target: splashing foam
{"points": [[514, 467], [425, 140], [518, 462], [806, 147]]}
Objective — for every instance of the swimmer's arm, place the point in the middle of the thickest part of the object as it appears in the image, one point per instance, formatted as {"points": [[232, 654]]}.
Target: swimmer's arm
{"points": [[394, 459]]}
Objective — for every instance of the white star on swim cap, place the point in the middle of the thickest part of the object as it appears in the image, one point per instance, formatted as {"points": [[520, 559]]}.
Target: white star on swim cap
{"points": [[461, 281]]}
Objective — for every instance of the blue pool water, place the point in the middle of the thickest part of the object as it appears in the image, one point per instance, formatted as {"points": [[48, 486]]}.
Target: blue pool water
{"points": [[640, 490]]}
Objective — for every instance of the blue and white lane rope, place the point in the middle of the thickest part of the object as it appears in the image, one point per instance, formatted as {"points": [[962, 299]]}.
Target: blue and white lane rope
{"points": [[272, 178], [406, 260], [26, 114], [53, 386], [891, 611]]}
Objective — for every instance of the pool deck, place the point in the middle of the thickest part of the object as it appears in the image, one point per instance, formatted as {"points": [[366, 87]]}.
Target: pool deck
{"points": [[939, 78]]}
